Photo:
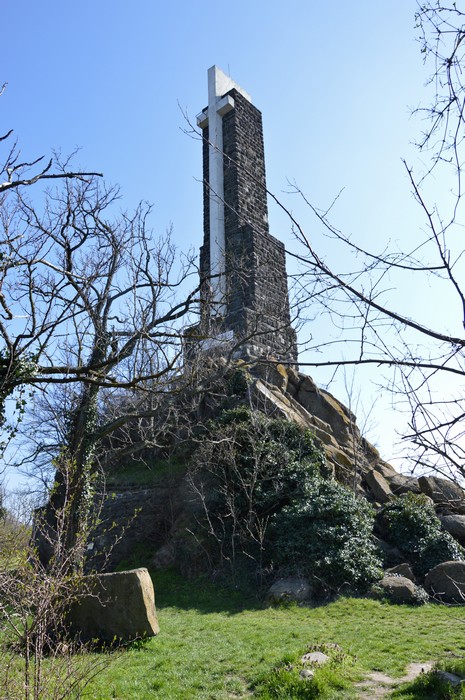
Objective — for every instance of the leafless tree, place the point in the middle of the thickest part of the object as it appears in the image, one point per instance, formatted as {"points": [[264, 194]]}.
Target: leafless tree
{"points": [[102, 291], [23, 336], [92, 301], [425, 360]]}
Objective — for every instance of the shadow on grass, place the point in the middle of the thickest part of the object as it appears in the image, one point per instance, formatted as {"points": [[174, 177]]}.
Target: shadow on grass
{"points": [[174, 591], [206, 596]]}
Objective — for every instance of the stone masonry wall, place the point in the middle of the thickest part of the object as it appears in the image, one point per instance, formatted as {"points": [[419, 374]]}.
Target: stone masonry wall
{"points": [[257, 292]]}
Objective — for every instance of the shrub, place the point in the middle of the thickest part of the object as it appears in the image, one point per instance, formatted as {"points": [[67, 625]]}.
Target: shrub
{"points": [[248, 467], [328, 537], [257, 462], [413, 526], [251, 471], [237, 381]]}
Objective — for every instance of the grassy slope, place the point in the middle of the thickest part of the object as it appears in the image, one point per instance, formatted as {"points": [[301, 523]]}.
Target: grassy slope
{"points": [[214, 646]]}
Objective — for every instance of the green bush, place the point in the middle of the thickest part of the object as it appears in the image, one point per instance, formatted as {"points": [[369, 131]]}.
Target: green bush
{"points": [[269, 501], [413, 526], [257, 463], [237, 381], [328, 537], [247, 467]]}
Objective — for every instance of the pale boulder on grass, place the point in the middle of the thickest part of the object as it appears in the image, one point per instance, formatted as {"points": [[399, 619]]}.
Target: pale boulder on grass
{"points": [[115, 607]]}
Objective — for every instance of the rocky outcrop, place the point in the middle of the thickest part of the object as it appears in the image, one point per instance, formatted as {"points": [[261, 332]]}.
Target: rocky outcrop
{"points": [[295, 396], [115, 607], [287, 393], [165, 513]]}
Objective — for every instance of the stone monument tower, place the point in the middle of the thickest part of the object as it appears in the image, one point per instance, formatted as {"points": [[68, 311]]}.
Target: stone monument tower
{"points": [[245, 298]]}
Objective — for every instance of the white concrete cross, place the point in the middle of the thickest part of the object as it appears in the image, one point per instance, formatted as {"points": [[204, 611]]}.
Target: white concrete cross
{"points": [[218, 106]]}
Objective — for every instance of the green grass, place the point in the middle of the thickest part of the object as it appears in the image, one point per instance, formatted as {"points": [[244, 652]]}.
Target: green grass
{"points": [[430, 686], [333, 680], [214, 645]]}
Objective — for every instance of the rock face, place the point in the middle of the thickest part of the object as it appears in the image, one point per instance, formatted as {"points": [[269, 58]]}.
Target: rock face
{"points": [[298, 399], [446, 582], [140, 515], [287, 393], [116, 607]]}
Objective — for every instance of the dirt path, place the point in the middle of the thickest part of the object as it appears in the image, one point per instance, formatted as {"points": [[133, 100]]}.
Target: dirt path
{"points": [[379, 685]]}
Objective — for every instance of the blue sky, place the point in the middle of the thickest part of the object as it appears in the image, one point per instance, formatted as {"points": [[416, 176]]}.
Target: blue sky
{"points": [[335, 82]]}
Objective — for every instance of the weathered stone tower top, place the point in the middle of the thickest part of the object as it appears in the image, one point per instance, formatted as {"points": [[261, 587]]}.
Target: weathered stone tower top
{"points": [[243, 268]]}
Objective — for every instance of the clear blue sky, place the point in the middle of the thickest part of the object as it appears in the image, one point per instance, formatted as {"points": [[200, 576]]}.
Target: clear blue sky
{"points": [[335, 82]]}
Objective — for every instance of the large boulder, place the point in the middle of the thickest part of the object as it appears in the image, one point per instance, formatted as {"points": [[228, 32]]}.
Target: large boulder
{"points": [[443, 492], [400, 484], [292, 589], [454, 525], [115, 607], [399, 589], [378, 486], [446, 582]]}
